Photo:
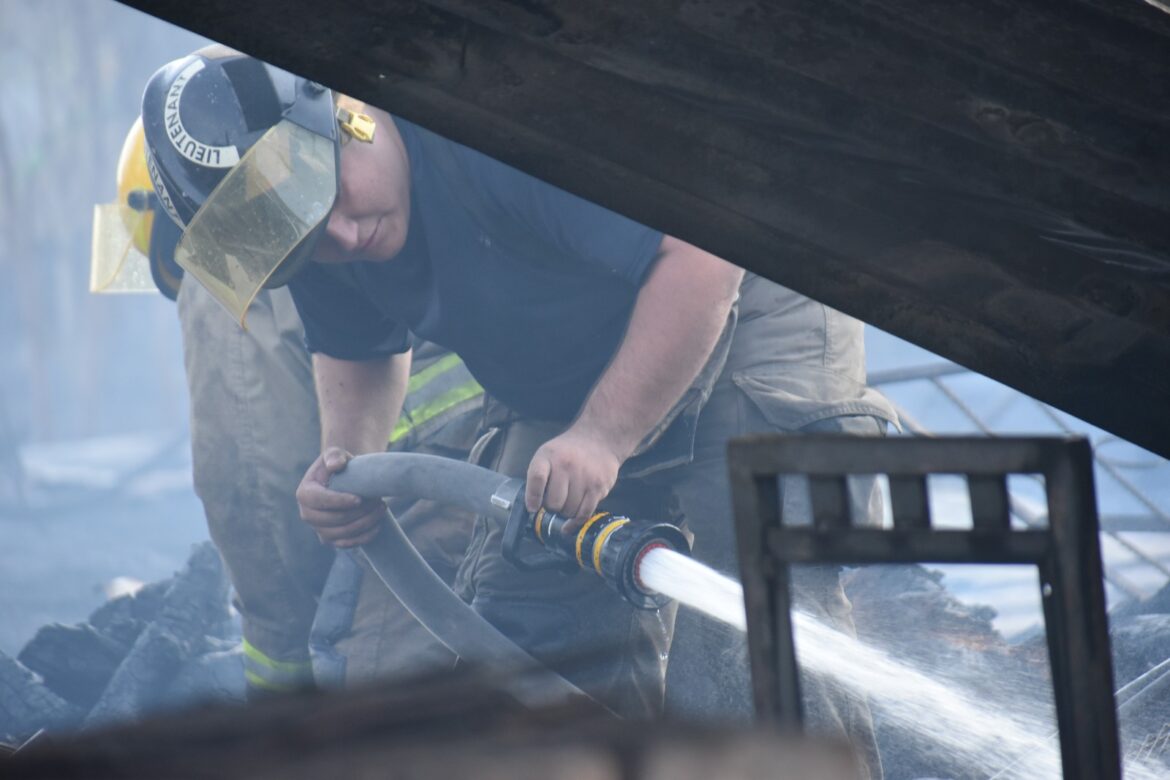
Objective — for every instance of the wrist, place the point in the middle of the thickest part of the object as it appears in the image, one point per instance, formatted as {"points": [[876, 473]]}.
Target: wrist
{"points": [[606, 435]]}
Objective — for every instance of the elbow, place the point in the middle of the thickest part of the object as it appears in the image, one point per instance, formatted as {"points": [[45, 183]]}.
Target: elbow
{"points": [[704, 270]]}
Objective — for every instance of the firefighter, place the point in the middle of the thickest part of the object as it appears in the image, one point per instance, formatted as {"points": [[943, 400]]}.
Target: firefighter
{"points": [[254, 431], [611, 352]]}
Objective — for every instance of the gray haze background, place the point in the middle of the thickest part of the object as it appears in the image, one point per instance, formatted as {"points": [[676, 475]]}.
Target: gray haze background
{"points": [[93, 410], [94, 471], [80, 365]]}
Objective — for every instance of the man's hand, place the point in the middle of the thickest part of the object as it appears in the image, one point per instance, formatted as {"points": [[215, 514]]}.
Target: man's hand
{"points": [[340, 519], [681, 309], [571, 473]]}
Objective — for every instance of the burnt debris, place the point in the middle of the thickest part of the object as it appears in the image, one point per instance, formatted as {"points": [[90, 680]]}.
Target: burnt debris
{"points": [[172, 643]]}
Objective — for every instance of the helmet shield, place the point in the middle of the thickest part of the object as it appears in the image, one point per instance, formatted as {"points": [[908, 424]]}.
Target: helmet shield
{"points": [[122, 229], [116, 263], [265, 214]]}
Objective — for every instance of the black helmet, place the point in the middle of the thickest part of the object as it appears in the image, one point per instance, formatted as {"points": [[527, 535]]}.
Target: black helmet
{"points": [[245, 158]]}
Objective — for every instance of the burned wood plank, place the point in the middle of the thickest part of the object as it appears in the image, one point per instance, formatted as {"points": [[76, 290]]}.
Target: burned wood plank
{"points": [[1111, 51], [988, 207], [908, 96], [27, 704], [194, 605], [76, 662]]}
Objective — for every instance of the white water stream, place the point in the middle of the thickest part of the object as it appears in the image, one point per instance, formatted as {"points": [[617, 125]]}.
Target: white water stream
{"points": [[990, 740], [691, 583]]}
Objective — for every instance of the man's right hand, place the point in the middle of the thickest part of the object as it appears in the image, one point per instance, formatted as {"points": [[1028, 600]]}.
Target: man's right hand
{"points": [[340, 519]]}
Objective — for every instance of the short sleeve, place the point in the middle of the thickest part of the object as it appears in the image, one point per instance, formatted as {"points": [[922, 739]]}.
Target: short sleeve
{"points": [[340, 320], [577, 227]]}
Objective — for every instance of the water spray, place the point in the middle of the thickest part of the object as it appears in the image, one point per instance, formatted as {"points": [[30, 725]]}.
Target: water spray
{"points": [[612, 546]]}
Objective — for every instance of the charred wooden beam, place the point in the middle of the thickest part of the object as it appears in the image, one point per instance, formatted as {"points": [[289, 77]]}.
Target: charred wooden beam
{"points": [[456, 726], [985, 179]]}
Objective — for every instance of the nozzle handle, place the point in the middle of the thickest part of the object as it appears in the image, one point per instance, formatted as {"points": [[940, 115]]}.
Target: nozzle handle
{"points": [[522, 545]]}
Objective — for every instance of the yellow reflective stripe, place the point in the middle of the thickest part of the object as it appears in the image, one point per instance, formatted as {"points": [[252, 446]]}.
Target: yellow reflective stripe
{"points": [[422, 378], [268, 685], [456, 395], [287, 667], [600, 543]]}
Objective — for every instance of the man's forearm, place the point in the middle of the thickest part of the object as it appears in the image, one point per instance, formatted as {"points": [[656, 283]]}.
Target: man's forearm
{"points": [[680, 312], [360, 400]]}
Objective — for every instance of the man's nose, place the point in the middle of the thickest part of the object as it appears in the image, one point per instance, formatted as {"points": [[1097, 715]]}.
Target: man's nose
{"points": [[343, 232]]}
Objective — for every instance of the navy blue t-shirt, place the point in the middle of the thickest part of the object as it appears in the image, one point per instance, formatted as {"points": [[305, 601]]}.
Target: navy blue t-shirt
{"points": [[532, 286]]}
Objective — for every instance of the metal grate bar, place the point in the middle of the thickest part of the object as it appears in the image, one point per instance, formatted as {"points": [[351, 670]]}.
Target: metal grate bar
{"points": [[830, 502], [989, 502], [909, 503], [1067, 553], [879, 545]]}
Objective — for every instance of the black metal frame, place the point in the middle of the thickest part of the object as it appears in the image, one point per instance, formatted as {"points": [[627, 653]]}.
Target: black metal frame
{"points": [[1067, 554]]}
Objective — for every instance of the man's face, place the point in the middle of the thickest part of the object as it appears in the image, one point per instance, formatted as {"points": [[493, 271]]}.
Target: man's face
{"points": [[372, 213]]}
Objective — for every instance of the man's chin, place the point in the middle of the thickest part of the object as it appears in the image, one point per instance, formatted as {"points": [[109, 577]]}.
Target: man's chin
{"points": [[385, 250], [380, 255], [332, 259]]}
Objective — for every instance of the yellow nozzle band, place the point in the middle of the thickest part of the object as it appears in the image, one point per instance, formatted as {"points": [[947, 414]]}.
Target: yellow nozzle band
{"points": [[581, 534], [537, 523], [601, 537]]}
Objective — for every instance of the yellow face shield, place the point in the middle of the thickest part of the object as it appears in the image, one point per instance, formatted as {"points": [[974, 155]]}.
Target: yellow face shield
{"points": [[268, 211], [117, 264]]}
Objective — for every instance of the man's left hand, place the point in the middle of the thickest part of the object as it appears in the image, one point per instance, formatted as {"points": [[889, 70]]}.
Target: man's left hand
{"points": [[571, 473]]}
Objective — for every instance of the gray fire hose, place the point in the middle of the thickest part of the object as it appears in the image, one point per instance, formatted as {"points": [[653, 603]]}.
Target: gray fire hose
{"points": [[400, 567]]}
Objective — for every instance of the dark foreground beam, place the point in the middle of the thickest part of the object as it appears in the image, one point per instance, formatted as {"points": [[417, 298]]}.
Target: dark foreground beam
{"points": [[440, 728], [986, 179]]}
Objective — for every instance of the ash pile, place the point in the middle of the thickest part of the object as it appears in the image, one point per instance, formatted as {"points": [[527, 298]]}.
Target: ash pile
{"points": [[171, 644]]}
